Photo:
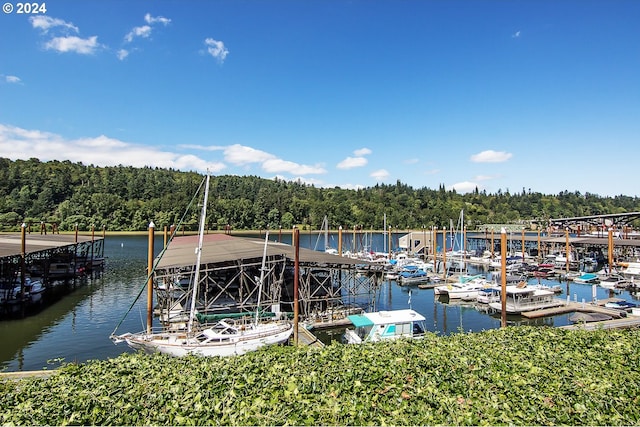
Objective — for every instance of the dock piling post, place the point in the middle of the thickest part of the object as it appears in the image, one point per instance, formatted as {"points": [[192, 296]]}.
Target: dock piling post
{"points": [[150, 278], [503, 277]]}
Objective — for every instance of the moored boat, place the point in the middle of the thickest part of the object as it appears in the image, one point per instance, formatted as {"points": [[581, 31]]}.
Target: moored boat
{"points": [[613, 281], [465, 286], [524, 298], [622, 305], [385, 325], [412, 275], [587, 278]]}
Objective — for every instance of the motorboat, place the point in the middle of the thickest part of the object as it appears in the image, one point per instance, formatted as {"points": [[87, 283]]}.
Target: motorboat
{"points": [[587, 278], [385, 325], [412, 274], [613, 281], [464, 287]]}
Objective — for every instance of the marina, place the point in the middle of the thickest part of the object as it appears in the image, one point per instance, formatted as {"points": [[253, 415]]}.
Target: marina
{"points": [[77, 327]]}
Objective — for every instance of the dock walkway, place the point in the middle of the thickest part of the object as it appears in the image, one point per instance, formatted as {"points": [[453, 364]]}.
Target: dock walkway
{"points": [[625, 322], [570, 307], [305, 337]]}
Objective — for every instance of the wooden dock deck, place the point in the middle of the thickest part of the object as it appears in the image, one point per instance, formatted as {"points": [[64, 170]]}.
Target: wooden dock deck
{"points": [[570, 307], [625, 322], [306, 337]]}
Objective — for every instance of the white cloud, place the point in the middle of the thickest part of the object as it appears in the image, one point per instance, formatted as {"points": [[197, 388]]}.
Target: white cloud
{"points": [[45, 23], [362, 152], [203, 147], [465, 187], [241, 155], [63, 42], [484, 177], [122, 54], [216, 49], [491, 156], [380, 175], [412, 161], [12, 79], [18, 143], [73, 44], [352, 162], [157, 19], [349, 186], [279, 165], [516, 35], [143, 32]]}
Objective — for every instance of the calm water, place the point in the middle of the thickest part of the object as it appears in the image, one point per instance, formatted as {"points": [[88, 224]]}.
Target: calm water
{"points": [[77, 328]]}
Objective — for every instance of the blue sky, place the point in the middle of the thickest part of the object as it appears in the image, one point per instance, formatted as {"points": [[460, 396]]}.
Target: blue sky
{"points": [[498, 95]]}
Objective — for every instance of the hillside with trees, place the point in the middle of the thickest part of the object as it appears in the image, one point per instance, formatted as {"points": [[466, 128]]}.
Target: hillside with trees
{"points": [[125, 198]]}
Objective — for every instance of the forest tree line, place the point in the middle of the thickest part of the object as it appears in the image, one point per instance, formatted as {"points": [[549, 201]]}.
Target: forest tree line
{"points": [[124, 198]]}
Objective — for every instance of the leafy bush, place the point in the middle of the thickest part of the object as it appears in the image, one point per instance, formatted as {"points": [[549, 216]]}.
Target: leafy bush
{"points": [[511, 376]]}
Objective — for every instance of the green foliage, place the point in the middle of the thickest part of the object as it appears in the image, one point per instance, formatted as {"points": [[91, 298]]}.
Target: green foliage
{"points": [[127, 199], [511, 376]]}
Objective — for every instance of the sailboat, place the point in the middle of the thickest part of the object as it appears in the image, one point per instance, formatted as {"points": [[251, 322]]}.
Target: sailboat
{"points": [[228, 336], [325, 231], [457, 257]]}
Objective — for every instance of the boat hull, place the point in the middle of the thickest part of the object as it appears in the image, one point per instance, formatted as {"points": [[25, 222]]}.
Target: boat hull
{"points": [[179, 344]]}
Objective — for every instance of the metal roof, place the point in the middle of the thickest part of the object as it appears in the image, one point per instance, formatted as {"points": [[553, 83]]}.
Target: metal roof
{"points": [[11, 244], [222, 248]]}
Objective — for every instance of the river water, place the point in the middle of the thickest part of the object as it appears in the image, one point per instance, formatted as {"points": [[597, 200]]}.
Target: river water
{"points": [[77, 327]]}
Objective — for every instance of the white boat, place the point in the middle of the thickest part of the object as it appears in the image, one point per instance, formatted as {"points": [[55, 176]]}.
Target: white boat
{"points": [[34, 289], [385, 325], [587, 278], [613, 281], [458, 290], [29, 292], [632, 271], [524, 298], [226, 337], [465, 287], [412, 274], [487, 295]]}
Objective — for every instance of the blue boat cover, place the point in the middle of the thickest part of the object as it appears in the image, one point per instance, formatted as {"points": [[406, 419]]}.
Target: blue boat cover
{"points": [[359, 320]]}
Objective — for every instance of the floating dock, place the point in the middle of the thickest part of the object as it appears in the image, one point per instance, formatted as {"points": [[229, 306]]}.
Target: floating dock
{"points": [[625, 322], [305, 337], [571, 307]]}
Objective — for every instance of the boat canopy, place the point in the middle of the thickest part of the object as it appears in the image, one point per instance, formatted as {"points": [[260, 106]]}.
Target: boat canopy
{"points": [[360, 321]]}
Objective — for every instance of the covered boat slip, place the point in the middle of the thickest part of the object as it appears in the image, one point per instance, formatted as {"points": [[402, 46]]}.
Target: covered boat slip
{"points": [[328, 285], [11, 244], [43, 252]]}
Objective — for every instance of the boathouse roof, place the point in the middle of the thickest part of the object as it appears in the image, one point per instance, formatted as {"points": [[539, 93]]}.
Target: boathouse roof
{"points": [[221, 248], [11, 244]]}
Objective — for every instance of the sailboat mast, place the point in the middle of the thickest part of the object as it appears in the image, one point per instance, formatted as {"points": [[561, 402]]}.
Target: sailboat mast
{"points": [[384, 232], [196, 275], [462, 231], [325, 223], [262, 270]]}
